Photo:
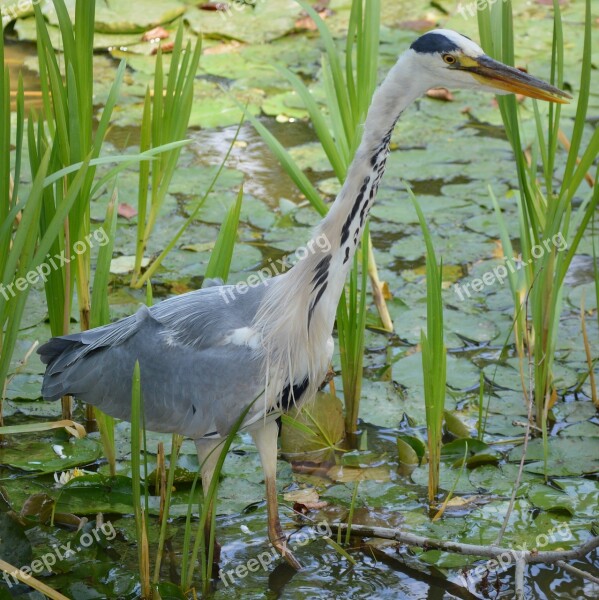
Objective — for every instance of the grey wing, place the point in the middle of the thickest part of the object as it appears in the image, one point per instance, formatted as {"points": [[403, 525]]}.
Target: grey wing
{"points": [[196, 376]]}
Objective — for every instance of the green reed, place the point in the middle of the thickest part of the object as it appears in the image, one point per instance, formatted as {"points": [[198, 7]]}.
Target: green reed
{"points": [[553, 201]]}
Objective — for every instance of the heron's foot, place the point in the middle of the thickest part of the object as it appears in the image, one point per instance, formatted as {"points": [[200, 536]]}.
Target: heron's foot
{"points": [[280, 544]]}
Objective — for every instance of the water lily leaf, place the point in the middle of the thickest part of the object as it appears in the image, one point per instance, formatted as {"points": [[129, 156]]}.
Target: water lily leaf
{"points": [[481, 458], [583, 494], [361, 458], [547, 498], [565, 456], [455, 425], [250, 23], [457, 448], [411, 449], [121, 265], [39, 408], [26, 31], [376, 494], [125, 17], [584, 429], [14, 543], [447, 479], [284, 106], [92, 494], [310, 156], [235, 494], [406, 453], [40, 456], [25, 387], [500, 480]]}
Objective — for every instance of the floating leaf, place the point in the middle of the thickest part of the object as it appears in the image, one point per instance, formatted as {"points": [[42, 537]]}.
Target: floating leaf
{"points": [[548, 498], [564, 458], [39, 456], [455, 425]]}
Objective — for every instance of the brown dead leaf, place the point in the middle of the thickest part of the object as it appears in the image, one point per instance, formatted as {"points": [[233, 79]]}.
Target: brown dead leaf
{"points": [[126, 210], [158, 33], [167, 47], [306, 23], [440, 94], [458, 501], [387, 295], [302, 495]]}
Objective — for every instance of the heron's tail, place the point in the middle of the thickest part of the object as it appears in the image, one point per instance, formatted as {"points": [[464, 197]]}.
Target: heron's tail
{"points": [[58, 354]]}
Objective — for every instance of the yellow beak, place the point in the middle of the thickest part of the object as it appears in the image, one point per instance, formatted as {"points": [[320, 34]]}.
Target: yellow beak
{"points": [[497, 75]]}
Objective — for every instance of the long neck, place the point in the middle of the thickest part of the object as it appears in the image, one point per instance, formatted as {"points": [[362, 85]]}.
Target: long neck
{"points": [[346, 218], [297, 313]]}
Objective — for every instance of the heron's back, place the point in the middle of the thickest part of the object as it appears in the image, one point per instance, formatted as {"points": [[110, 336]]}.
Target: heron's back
{"points": [[197, 375]]}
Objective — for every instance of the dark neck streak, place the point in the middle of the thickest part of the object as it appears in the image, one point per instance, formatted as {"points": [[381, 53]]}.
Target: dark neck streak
{"points": [[354, 219], [345, 221]]}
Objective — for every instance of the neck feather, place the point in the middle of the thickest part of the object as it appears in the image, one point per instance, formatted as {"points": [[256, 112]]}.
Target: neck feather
{"points": [[344, 223], [298, 312]]}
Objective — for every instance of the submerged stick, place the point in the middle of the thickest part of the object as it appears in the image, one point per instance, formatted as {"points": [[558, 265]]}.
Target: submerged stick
{"points": [[493, 551]]}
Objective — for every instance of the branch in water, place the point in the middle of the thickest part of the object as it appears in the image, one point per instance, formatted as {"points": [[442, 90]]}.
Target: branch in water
{"points": [[521, 558]]}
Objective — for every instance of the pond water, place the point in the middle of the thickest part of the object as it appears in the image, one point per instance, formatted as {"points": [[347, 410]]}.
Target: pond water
{"points": [[449, 152]]}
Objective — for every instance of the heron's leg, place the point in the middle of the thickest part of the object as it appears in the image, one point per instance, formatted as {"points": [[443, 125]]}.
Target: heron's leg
{"points": [[265, 439], [208, 454]]}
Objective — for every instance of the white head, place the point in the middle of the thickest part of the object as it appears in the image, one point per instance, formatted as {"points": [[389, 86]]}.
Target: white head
{"points": [[445, 58]]}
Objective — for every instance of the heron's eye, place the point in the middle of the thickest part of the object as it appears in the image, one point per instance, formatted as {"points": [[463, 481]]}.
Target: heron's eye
{"points": [[449, 59]]}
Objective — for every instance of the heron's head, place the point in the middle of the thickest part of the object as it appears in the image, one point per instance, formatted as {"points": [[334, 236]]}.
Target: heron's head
{"points": [[448, 59]]}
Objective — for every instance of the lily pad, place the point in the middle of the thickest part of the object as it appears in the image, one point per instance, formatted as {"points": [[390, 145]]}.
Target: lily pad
{"points": [[125, 17], [40, 456], [411, 450], [92, 494], [500, 480], [564, 457], [550, 499], [14, 543], [24, 387], [253, 24], [448, 478]]}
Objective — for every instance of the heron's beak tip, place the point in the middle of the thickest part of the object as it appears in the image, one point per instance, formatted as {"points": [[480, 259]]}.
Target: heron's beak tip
{"points": [[508, 79]]}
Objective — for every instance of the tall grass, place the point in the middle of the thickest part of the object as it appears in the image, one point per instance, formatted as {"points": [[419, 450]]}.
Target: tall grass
{"points": [[434, 358], [350, 79], [68, 127], [165, 119], [551, 202], [18, 228]]}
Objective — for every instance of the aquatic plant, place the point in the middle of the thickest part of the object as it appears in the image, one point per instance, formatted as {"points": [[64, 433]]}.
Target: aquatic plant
{"points": [[165, 119], [553, 204], [434, 358]]}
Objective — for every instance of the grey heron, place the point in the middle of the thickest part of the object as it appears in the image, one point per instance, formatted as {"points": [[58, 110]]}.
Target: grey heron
{"points": [[205, 356]]}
